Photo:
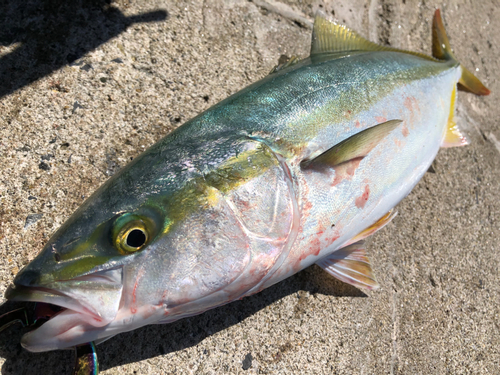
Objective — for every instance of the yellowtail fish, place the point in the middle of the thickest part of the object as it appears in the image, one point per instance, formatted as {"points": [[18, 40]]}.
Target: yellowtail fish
{"points": [[296, 169]]}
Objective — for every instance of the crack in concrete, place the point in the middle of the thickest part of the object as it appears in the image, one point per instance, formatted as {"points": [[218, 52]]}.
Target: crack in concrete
{"points": [[491, 137], [394, 357], [285, 11]]}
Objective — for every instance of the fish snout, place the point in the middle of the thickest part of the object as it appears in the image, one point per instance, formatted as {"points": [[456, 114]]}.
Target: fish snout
{"points": [[27, 277]]}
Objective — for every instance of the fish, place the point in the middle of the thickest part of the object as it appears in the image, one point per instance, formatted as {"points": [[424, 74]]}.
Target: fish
{"points": [[296, 169]]}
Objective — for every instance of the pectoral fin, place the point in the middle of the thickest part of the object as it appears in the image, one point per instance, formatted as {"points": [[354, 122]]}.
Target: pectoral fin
{"points": [[354, 147], [351, 265]]}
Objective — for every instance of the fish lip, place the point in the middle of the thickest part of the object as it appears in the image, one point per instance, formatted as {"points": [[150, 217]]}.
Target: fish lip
{"points": [[51, 294], [40, 294]]}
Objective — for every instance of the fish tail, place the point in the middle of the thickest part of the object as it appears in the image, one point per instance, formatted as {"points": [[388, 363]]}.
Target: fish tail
{"points": [[441, 50]]}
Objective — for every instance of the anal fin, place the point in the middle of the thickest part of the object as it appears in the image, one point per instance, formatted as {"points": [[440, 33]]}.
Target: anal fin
{"points": [[351, 265]]}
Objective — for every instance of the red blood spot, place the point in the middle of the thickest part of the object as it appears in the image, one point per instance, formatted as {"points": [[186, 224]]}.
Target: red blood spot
{"points": [[357, 124], [133, 310], [307, 206], [361, 200], [133, 292], [316, 246], [352, 165], [405, 131], [345, 171], [409, 102], [380, 119], [314, 249]]}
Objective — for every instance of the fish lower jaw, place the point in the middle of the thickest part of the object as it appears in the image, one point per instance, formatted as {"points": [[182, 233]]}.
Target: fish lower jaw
{"points": [[59, 332], [70, 328]]}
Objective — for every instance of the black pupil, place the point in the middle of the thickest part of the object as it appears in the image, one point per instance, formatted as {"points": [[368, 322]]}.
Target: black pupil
{"points": [[136, 238]]}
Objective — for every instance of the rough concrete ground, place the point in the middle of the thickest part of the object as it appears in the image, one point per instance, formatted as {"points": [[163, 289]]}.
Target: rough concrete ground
{"points": [[112, 82]]}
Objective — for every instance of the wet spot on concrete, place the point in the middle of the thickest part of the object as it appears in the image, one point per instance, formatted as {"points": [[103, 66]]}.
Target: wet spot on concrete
{"points": [[44, 166], [86, 67], [76, 105], [247, 362]]}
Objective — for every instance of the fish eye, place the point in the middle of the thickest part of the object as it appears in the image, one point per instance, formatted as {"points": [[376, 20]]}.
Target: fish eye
{"points": [[130, 234]]}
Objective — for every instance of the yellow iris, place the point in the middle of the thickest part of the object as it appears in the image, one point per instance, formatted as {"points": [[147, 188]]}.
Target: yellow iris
{"points": [[131, 234]]}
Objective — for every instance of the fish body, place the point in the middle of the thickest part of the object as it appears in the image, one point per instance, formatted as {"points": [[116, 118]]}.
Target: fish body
{"points": [[293, 170]]}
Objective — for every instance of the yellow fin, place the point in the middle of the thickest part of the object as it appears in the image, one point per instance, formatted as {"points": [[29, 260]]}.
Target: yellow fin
{"points": [[331, 37], [379, 224], [470, 83], [441, 49], [351, 265], [453, 136], [356, 146], [440, 44]]}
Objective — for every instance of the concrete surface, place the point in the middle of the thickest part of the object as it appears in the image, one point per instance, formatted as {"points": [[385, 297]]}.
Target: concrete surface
{"points": [[86, 86]]}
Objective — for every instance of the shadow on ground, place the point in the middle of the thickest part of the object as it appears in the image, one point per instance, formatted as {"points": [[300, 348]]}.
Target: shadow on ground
{"points": [[48, 34], [155, 340]]}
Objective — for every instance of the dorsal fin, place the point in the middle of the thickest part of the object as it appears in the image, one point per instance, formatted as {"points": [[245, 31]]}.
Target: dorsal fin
{"points": [[331, 37], [441, 48], [356, 146]]}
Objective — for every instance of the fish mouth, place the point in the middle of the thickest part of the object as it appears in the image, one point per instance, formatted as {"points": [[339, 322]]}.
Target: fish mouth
{"points": [[88, 303]]}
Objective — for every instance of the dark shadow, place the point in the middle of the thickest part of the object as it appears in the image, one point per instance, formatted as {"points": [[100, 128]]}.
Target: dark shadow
{"points": [[53, 33], [156, 340]]}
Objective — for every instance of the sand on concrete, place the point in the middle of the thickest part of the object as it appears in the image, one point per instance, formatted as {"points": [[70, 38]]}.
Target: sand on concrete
{"points": [[84, 88]]}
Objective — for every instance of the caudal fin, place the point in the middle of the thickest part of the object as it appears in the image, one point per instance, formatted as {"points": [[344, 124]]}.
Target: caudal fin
{"points": [[441, 50]]}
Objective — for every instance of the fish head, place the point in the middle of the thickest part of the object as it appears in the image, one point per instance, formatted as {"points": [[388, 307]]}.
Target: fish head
{"points": [[86, 266], [159, 241]]}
